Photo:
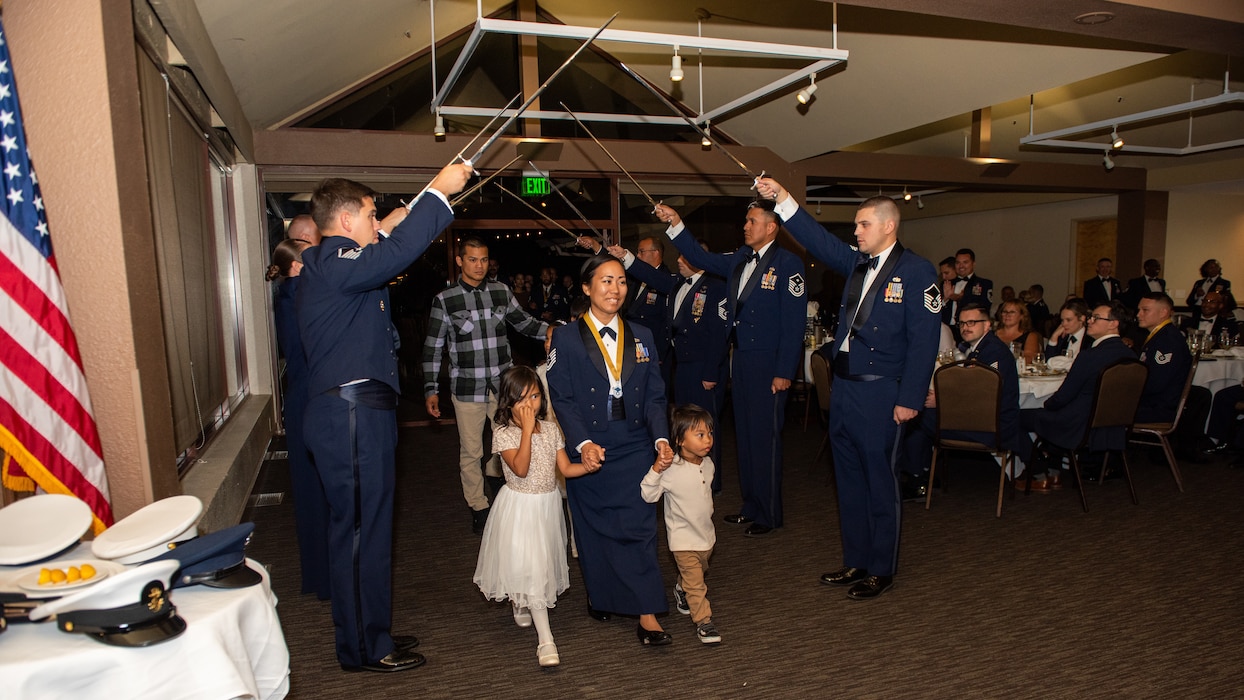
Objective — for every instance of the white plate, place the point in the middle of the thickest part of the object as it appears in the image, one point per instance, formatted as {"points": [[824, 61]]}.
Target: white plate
{"points": [[29, 579], [37, 527]]}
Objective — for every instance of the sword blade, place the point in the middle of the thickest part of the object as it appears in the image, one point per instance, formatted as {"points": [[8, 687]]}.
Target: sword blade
{"points": [[483, 182], [588, 131], [566, 200], [535, 95], [527, 204]]}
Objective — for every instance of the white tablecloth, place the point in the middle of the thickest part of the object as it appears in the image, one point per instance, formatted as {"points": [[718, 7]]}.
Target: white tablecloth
{"points": [[1218, 374], [233, 647], [1033, 390]]}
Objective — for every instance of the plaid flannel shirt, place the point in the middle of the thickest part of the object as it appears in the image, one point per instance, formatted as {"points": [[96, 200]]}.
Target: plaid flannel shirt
{"points": [[472, 322]]}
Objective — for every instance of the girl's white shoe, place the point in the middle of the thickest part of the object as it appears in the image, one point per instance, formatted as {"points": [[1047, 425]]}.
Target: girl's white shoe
{"points": [[547, 654], [522, 616]]}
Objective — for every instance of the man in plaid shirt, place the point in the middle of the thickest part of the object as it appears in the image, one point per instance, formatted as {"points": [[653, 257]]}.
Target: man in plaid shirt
{"points": [[471, 317]]}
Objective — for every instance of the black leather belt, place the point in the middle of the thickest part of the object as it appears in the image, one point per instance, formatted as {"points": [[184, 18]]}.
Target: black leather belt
{"points": [[371, 393], [842, 370]]}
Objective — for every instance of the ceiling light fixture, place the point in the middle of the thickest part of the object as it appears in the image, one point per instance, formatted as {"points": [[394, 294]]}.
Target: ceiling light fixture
{"points": [[919, 202], [805, 95], [705, 143], [1107, 161], [439, 130], [1116, 141], [906, 194], [818, 208], [676, 66]]}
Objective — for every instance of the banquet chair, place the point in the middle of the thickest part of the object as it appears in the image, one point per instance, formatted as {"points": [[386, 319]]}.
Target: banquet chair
{"points": [[822, 384], [969, 399], [1114, 406], [1158, 434]]}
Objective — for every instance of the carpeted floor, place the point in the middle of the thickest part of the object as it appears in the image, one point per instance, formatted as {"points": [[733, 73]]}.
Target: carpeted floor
{"points": [[1049, 602]]}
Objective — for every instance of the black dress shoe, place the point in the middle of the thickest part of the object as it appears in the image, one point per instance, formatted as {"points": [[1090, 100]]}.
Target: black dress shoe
{"points": [[757, 530], [870, 587], [739, 519], [651, 638], [601, 615], [845, 576], [397, 661], [479, 518], [403, 642]]}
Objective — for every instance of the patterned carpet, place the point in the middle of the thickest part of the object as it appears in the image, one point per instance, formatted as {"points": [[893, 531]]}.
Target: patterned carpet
{"points": [[1048, 602]]}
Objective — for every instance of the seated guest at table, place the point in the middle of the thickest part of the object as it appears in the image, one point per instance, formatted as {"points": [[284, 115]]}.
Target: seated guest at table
{"points": [[1103, 288], [1166, 355], [1065, 415], [1038, 311], [1211, 318], [1211, 281], [1015, 328], [1068, 338], [983, 346], [1138, 287]]}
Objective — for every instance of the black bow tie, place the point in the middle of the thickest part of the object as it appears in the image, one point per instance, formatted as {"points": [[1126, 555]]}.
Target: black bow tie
{"points": [[961, 279], [1071, 340], [607, 332], [870, 262], [963, 347], [1153, 279], [686, 280], [753, 256]]}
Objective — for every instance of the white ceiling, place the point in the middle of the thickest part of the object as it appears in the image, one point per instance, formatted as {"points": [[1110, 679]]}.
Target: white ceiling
{"points": [[909, 87]]}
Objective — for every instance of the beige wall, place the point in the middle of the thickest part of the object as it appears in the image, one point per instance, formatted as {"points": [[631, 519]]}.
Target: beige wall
{"points": [[1203, 226], [1018, 246]]}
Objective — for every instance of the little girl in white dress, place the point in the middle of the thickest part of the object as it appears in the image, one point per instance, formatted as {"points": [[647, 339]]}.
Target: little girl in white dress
{"points": [[523, 553]]}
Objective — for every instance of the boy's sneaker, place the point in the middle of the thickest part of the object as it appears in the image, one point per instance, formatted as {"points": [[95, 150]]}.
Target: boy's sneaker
{"points": [[680, 600], [707, 633]]}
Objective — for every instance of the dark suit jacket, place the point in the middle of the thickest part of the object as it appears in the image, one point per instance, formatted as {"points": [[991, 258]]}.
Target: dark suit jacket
{"points": [[1095, 291], [1224, 322], [1137, 287], [1066, 413], [1220, 285], [898, 325], [1169, 361], [579, 384]]}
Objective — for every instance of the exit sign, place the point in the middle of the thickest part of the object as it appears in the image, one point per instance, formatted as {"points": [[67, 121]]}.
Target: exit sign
{"points": [[536, 187]]}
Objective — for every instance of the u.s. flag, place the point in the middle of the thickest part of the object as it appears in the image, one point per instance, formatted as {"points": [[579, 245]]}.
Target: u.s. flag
{"points": [[47, 431]]}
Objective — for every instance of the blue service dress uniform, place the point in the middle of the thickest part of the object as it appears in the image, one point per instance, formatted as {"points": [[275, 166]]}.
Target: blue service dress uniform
{"points": [[1065, 414], [614, 528], [768, 322], [700, 336], [556, 302], [990, 351], [978, 291], [1167, 356], [893, 350], [648, 306], [310, 505], [344, 316]]}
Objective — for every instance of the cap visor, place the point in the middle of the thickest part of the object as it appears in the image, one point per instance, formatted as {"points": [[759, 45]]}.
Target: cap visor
{"points": [[161, 630], [241, 578]]}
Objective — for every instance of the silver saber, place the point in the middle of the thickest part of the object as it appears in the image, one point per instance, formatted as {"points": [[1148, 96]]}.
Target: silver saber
{"points": [[703, 132], [535, 95], [527, 204], [634, 182], [568, 202], [454, 202], [458, 157]]}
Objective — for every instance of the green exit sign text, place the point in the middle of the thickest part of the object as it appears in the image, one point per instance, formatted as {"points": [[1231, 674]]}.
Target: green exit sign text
{"points": [[536, 187]]}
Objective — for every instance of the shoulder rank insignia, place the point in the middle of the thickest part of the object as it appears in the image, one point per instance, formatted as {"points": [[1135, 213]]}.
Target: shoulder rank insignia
{"points": [[552, 358], [349, 253], [721, 310], [1162, 358], [795, 285], [933, 298]]}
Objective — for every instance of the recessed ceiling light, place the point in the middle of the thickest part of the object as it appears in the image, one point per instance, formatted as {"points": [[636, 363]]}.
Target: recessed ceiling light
{"points": [[1094, 18]]}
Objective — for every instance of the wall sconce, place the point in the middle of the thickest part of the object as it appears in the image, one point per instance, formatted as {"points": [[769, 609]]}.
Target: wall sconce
{"points": [[676, 66], [805, 95]]}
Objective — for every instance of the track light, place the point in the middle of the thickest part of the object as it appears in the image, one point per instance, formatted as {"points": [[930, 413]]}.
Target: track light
{"points": [[676, 66], [439, 130], [818, 208], [919, 202], [1107, 161], [805, 95], [1116, 141], [906, 195], [705, 142]]}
